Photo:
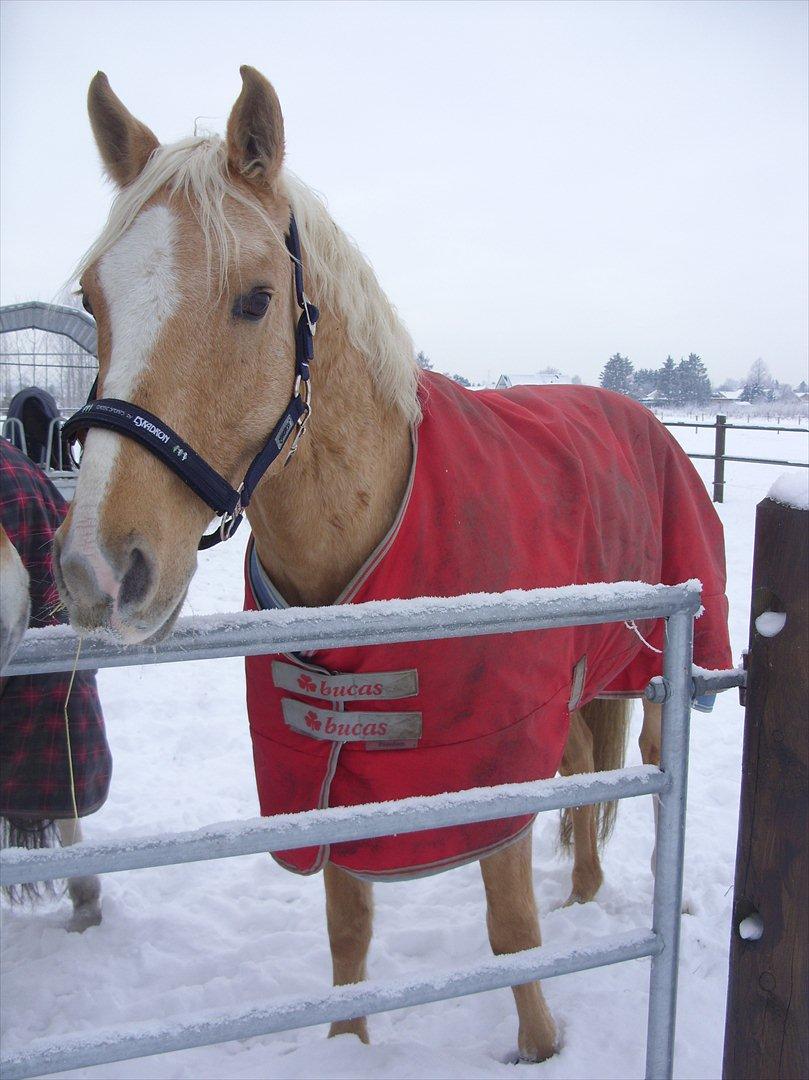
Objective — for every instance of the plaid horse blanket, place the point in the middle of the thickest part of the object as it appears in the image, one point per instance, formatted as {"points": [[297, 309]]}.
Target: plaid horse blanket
{"points": [[34, 768], [519, 489]]}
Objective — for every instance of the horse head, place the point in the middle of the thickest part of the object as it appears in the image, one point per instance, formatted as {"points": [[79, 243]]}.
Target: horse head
{"points": [[192, 289]]}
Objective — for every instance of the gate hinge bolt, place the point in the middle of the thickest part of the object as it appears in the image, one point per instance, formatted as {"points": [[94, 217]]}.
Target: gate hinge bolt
{"points": [[658, 690]]}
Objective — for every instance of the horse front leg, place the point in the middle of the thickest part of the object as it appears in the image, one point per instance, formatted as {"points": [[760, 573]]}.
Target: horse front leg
{"points": [[581, 821], [349, 917], [84, 892], [513, 925]]}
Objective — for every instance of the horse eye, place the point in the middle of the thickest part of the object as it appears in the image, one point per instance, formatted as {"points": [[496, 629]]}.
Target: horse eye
{"points": [[85, 303], [253, 306]]}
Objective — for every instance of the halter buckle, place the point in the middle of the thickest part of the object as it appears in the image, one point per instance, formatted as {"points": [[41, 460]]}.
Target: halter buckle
{"points": [[305, 306], [229, 522], [303, 418]]}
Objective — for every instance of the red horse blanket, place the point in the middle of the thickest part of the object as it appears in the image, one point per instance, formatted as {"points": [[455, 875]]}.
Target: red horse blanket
{"points": [[526, 488]]}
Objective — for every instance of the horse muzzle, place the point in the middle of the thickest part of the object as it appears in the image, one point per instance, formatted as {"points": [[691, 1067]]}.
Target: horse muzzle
{"points": [[116, 591]]}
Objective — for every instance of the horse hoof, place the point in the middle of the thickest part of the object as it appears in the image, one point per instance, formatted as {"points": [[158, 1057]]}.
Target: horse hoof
{"points": [[535, 1056], [580, 897], [84, 916], [542, 1044]]}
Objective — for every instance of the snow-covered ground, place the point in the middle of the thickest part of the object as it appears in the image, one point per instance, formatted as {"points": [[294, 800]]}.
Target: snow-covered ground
{"points": [[180, 940]]}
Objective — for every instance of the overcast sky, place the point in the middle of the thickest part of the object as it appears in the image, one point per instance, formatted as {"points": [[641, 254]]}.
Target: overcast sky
{"points": [[535, 183]]}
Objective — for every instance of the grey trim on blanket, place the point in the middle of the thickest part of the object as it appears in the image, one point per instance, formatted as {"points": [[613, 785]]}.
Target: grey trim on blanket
{"points": [[438, 867]]}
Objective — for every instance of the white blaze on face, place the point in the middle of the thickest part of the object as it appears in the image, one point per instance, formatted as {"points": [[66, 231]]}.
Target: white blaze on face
{"points": [[138, 277]]}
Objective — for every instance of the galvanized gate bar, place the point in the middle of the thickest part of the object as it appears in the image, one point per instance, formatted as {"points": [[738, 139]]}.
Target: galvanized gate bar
{"points": [[341, 1003], [704, 681], [314, 827], [670, 846], [378, 622]]}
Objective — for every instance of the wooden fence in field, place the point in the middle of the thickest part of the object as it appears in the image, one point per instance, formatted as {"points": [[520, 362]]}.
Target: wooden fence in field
{"points": [[719, 457]]}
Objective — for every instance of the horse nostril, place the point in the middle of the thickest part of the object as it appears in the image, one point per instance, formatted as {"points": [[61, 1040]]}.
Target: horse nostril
{"points": [[137, 580]]}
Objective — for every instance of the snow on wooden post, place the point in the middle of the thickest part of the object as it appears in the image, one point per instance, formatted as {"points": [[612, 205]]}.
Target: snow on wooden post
{"points": [[766, 1032]]}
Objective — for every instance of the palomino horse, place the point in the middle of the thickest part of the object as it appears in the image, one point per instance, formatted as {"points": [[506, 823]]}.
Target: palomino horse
{"points": [[205, 330], [16, 606]]}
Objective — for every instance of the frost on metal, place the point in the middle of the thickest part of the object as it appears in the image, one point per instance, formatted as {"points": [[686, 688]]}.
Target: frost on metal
{"points": [[333, 825], [340, 1003], [251, 633]]}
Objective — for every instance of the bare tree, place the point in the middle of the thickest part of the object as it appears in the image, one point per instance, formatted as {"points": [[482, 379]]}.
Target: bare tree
{"points": [[759, 382]]}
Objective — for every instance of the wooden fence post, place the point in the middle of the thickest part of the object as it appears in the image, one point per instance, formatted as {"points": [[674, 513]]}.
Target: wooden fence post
{"points": [[766, 1031], [719, 460]]}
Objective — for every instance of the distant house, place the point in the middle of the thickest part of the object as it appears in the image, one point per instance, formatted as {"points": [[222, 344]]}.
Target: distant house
{"points": [[727, 395], [541, 378], [654, 398]]}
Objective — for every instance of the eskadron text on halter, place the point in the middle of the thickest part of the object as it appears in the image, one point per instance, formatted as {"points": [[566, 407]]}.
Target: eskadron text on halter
{"points": [[159, 439]]}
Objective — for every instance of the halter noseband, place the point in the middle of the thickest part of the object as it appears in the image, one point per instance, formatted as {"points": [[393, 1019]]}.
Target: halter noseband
{"points": [[159, 439]]}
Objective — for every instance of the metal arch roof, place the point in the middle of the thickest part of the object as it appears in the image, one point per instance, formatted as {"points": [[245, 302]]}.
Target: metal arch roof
{"points": [[54, 318]]}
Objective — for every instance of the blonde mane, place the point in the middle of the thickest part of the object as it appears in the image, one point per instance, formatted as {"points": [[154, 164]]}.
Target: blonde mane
{"points": [[338, 275]]}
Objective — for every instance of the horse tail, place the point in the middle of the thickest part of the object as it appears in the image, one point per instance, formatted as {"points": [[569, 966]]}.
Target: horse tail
{"points": [[608, 721], [31, 834]]}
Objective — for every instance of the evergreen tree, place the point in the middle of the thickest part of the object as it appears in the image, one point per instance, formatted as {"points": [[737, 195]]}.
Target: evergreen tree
{"points": [[667, 381], [424, 362], [694, 385], [617, 374], [461, 379]]}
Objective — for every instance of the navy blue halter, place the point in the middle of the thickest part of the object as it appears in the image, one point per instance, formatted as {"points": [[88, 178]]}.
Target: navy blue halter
{"points": [[159, 439]]}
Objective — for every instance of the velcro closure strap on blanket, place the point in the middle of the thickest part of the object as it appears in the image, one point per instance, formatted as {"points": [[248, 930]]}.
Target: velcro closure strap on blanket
{"points": [[366, 686], [351, 726]]}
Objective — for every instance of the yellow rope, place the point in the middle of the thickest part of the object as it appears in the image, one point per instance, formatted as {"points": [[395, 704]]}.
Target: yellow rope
{"points": [[67, 733]]}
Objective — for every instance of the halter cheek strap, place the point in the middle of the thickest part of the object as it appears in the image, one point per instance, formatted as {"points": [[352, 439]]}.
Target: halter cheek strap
{"points": [[160, 440]]}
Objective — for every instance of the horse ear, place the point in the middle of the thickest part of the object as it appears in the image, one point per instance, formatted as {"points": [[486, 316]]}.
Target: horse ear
{"points": [[123, 142], [256, 130]]}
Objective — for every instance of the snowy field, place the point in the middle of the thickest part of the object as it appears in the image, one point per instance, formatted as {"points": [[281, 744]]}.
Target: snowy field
{"points": [[182, 940]]}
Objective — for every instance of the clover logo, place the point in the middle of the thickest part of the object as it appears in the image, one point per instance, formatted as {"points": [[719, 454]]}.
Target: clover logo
{"points": [[307, 684], [312, 721]]}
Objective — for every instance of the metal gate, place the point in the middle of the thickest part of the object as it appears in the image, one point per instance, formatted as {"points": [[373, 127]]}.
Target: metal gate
{"points": [[304, 629]]}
